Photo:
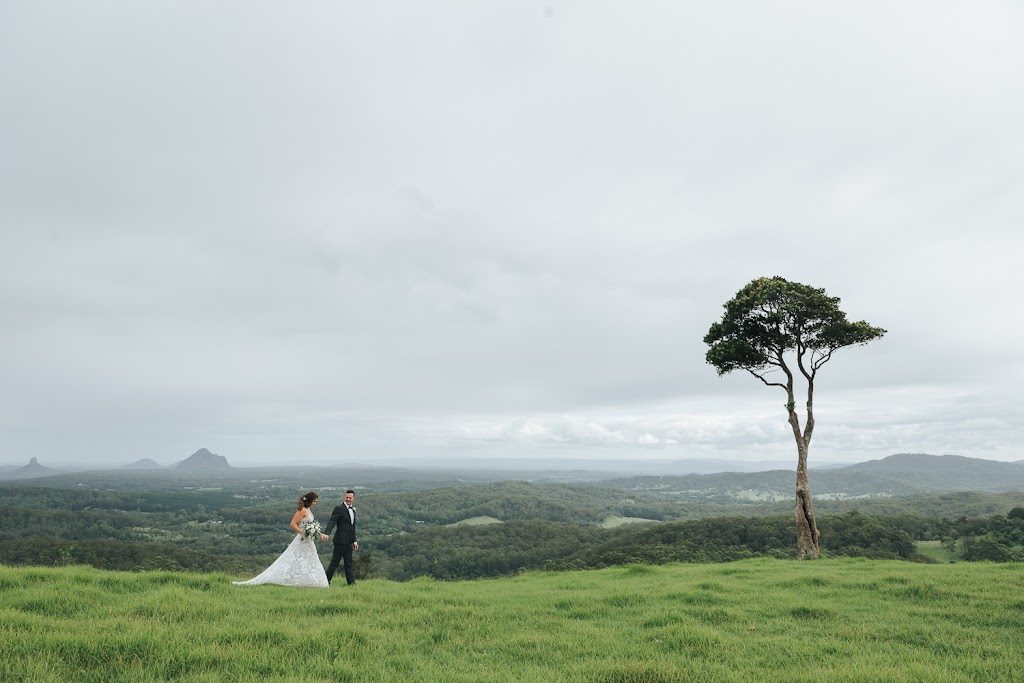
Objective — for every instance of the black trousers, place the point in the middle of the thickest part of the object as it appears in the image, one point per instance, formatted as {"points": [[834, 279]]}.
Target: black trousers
{"points": [[342, 552]]}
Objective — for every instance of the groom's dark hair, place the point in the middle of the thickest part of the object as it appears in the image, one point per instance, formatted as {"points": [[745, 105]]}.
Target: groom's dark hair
{"points": [[351, 491]]}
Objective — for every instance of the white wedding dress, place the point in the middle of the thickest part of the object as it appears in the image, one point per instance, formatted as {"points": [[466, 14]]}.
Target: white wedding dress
{"points": [[298, 565]]}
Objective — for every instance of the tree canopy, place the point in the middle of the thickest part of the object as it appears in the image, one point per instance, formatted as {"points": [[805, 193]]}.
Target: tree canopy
{"points": [[772, 316]]}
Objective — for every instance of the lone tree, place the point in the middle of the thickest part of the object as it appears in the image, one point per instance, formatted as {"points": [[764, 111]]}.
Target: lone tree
{"points": [[767, 326]]}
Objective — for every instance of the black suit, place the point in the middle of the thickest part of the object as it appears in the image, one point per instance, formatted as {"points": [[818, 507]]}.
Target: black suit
{"points": [[344, 537]]}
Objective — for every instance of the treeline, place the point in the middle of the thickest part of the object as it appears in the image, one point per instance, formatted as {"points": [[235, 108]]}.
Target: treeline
{"points": [[120, 556], [250, 523], [480, 551], [940, 508], [471, 552], [75, 499], [843, 482], [735, 538], [546, 525], [991, 539], [236, 522], [724, 487], [507, 500]]}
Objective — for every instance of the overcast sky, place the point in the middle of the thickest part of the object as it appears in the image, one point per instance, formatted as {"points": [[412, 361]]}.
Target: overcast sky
{"points": [[327, 232]]}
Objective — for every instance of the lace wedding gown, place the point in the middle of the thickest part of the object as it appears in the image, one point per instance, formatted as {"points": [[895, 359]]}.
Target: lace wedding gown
{"points": [[298, 565]]}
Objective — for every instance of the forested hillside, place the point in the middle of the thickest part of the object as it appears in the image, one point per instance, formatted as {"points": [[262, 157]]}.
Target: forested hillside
{"points": [[240, 525], [876, 479]]}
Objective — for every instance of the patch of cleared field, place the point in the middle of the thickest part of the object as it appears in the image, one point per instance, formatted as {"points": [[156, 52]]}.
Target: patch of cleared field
{"points": [[936, 551], [476, 521], [613, 521], [760, 496], [155, 534], [844, 496]]}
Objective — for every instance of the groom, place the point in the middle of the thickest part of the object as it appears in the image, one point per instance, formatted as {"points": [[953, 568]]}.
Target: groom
{"points": [[344, 518]]}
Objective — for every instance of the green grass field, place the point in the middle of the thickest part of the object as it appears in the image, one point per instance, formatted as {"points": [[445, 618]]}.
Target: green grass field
{"points": [[756, 620], [936, 551]]}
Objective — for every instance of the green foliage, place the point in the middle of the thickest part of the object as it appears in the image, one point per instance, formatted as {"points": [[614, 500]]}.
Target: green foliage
{"points": [[991, 539], [934, 507], [388, 513], [754, 620], [403, 535], [731, 488], [856, 535], [117, 555], [726, 539], [988, 549], [772, 316], [469, 552]]}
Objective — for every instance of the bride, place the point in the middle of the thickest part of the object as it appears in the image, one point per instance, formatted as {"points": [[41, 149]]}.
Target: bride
{"points": [[299, 564]]}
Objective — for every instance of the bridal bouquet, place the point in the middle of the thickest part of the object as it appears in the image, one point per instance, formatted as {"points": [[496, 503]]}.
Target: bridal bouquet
{"points": [[311, 530]]}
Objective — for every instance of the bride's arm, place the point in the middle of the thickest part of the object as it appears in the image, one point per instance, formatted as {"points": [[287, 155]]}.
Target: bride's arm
{"points": [[296, 518]]}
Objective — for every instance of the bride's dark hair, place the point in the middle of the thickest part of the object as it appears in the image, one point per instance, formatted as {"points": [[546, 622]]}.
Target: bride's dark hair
{"points": [[307, 500]]}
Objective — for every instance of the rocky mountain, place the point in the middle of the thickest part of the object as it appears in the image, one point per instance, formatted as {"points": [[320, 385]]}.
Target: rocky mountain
{"points": [[32, 469], [144, 464], [203, 460]]}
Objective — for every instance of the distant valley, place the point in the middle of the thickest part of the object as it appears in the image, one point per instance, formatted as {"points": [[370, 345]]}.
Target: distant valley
{"points": [[203, 513], [897, 475]]}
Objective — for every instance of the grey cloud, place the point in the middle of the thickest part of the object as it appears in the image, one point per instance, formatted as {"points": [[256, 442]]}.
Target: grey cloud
{"points": [[363, 228]]}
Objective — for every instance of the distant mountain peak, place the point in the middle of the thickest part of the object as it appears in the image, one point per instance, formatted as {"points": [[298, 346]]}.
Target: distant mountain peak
{"points": [[144, 464], [203, 460], [32, 469]]}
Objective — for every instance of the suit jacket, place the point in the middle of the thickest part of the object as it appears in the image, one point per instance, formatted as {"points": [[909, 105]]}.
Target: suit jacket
{"points": [[346, 527]]}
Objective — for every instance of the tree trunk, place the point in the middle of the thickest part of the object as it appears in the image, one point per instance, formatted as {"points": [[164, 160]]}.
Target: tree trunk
{"points": [[806, 529]]}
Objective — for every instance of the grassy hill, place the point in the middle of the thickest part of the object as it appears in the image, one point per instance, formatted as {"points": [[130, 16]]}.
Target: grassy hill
{"points": [[755, 620]]}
